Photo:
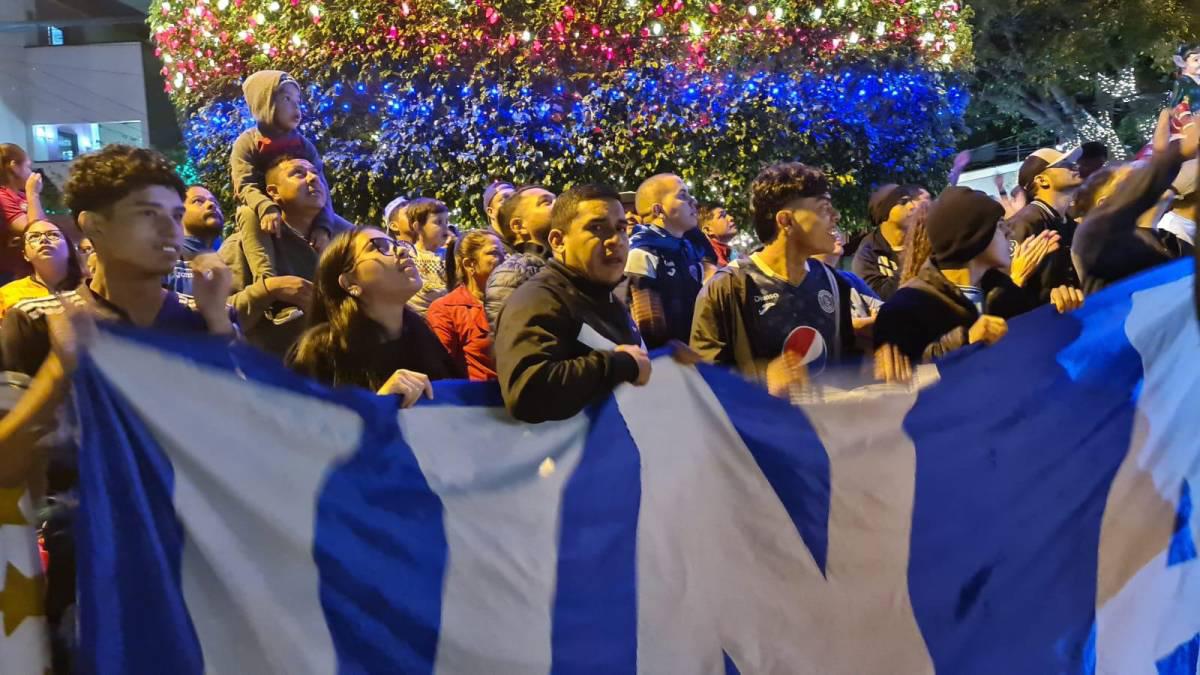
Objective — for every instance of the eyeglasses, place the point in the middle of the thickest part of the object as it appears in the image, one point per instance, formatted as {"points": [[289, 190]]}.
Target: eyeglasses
{"points": [[389, 246], [41, 237]]}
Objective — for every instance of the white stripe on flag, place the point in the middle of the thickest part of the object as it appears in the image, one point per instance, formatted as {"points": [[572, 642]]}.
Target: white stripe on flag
{"points": [[712, 577], [27, 649], [501, 485], [1147, 608], [249, 578]]}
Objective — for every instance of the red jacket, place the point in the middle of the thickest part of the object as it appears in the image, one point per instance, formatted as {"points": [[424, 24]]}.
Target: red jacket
{"points": [[460, 323]]}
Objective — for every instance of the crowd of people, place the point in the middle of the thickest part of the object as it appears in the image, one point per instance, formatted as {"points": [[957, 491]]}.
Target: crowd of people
{"points": [[561, 297]]}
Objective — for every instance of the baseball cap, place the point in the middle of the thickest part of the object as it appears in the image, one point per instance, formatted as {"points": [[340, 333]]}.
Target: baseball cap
{"points": [[391, 207], [1041, 160], [490, 192]]}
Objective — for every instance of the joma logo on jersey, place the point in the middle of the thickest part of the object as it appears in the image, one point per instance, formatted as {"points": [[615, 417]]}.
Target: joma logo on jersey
{"points": [[766, 301]]}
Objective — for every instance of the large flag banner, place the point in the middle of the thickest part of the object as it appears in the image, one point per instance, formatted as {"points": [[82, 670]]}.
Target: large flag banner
{"points": [[1029, 509]]}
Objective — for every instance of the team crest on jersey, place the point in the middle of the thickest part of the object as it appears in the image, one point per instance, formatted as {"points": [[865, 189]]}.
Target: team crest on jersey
{"points": [[825, 298], [808, 346]]}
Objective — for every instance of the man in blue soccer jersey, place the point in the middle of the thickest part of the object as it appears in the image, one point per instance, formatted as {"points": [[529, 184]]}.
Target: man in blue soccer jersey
{"points": [[780, 315], [665, 269]]}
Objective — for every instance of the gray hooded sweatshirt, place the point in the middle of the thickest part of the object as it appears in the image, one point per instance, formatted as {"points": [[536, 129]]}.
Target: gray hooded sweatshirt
{"points": [[251, 153]]}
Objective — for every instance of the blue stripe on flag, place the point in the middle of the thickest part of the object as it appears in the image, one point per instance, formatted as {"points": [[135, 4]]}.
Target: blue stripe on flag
{"points": [[381, 549], [796, 466], [595, 608], [129, 542], [1021, 599]]}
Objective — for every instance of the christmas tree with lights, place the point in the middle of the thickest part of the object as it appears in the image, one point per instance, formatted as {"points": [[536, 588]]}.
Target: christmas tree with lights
{"points": [[438, 97]]}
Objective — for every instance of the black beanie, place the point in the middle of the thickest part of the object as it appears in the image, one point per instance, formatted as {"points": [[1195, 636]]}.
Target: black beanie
{"points": [[961, 224]]}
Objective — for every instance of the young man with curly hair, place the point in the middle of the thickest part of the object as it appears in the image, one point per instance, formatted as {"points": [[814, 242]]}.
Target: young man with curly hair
{"points": [[780, 316], [129, 204]]}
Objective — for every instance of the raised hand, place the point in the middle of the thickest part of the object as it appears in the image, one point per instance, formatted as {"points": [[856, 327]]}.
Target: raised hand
{"points": [[211, 283], [1031, 252]]}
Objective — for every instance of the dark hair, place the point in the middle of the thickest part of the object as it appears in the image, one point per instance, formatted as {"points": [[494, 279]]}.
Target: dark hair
{"points": [[339, 332], [567, 204], [1093, 150], [1085, 196], [100, 179], [508, 209], [776, 186], [74, 268], [421, 209], [276, 161], [10, 152], [706, 212], [459, 251]]}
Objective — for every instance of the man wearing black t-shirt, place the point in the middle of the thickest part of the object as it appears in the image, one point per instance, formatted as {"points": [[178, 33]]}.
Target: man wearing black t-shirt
{"points": [[780, 316], [129, 203]]}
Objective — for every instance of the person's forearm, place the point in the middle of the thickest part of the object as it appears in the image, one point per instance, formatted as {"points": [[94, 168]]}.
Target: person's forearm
{"points": [[29, 419], [648, 314], [1106, 243], [221, 327], [33, 207]]}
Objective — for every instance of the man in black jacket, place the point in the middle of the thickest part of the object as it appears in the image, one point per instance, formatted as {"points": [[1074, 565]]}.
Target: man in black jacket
{"points": [[524, 222], [564, 340], [877, 260], [1111, 244], [1050, 179]]}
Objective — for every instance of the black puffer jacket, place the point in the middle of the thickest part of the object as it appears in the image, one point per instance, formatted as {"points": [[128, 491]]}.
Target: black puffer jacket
{"points": [[548, 357], [525, 261]]}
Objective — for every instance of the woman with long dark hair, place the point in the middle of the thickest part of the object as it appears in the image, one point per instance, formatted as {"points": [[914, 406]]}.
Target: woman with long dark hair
{"points": [[362, 332], [55, 264], [458, 318]]}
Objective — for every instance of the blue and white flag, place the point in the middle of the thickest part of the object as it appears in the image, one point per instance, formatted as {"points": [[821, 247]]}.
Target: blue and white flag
{"points": [[1029, 511]]}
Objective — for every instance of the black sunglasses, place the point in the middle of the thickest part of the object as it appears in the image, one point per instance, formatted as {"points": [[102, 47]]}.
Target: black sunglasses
{"points": [[389, 246]]}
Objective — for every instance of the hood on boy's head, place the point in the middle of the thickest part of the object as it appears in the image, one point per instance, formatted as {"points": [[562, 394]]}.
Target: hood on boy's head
{"points": [[259, 90]]}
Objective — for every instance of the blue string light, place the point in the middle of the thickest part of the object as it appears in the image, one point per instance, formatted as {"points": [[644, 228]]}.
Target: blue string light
{"points": [[444, 141]]}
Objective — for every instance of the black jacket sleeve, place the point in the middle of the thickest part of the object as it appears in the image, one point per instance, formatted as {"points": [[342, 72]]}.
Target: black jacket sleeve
{"points": [[866, 265], [24, 343], [714, 321], [1109, 245], [912, 320], [1006, 299], [545, 374]]}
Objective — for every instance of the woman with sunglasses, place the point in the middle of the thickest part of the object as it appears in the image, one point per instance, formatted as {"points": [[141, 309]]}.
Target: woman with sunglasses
{"points": [[54, 261], [362, 332]]}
